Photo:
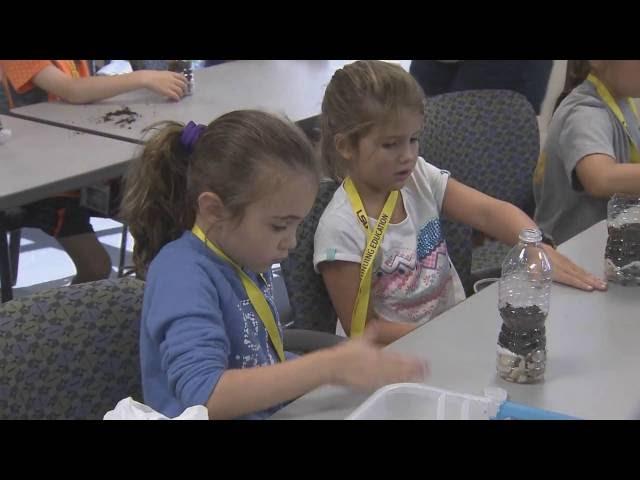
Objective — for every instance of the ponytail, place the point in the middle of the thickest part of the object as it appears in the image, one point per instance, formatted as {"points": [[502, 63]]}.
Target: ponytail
{"points": [[155, 204]]}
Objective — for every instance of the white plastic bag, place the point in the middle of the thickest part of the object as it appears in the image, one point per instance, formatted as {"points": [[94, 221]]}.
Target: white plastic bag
{"points": [[129, 409]]}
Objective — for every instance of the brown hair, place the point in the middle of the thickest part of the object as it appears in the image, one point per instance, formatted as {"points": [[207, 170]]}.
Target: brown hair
{"points": [[229, 158], [359, 96], [577, 72]]}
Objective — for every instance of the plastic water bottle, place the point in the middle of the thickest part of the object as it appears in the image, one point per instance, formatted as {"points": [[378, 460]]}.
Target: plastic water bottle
{"points": [[622, 253], [184, 67], [523, 302]]}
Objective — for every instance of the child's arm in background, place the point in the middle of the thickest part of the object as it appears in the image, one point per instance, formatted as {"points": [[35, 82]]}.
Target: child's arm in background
{"points": [[355, 363], [504, 221], [342, 280], [601, 176], [92, 89]]}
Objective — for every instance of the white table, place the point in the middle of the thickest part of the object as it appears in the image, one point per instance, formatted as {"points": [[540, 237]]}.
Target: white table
{"points": [[593, 343], [41, 160], [291, 87]]}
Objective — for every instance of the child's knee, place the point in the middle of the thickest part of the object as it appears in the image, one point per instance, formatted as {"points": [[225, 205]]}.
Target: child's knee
{"points": [[96, 267], [101, 267]]}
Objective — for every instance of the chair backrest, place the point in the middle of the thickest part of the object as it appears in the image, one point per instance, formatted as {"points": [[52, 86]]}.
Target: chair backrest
{"points": [[488, 140], [70, 352], [311, 306]]}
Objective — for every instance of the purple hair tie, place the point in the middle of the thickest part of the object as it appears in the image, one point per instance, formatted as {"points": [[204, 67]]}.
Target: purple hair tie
{"points": [[190, 135]]}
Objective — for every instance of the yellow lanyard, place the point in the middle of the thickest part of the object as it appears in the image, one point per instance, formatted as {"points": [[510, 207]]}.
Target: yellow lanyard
{"points": [[374, 241], [74, 69], [607, 98], [256, 297]]}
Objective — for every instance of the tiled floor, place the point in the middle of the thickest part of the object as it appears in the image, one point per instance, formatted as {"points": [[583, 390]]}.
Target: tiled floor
{"points": [[44, 264]]}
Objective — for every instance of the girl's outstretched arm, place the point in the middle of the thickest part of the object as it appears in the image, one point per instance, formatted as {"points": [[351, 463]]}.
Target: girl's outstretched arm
{"points": [[504, 221]]}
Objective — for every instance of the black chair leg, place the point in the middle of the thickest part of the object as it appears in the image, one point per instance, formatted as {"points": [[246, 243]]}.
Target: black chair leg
{"points": [[5, 268], [123, 250], [14, 252]]}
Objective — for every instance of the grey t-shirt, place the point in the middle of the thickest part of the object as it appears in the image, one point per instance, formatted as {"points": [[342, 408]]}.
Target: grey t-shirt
{"points": [[582, 125]]}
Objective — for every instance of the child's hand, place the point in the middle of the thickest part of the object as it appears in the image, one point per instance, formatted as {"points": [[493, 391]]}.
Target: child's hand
{"points": [[567, 272], [170, 84], [363, 365]]}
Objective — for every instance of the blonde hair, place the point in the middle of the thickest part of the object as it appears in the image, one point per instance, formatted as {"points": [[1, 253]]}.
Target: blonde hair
{"points": [[360, 95], [234, 157]]}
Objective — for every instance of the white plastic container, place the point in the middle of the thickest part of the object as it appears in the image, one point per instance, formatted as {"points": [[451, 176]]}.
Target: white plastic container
{"points": [[412, 401]]}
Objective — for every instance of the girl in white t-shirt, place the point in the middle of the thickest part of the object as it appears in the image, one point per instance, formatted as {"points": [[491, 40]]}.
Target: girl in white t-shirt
{"points": [[383, 221]]}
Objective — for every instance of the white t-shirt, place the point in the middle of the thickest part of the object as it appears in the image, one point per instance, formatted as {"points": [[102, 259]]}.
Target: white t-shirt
{"points": [[413, 277]]}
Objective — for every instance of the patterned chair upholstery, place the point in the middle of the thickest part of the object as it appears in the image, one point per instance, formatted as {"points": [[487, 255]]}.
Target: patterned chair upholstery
{"points": [[311, 307], [488, 140], [71, 352]]}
